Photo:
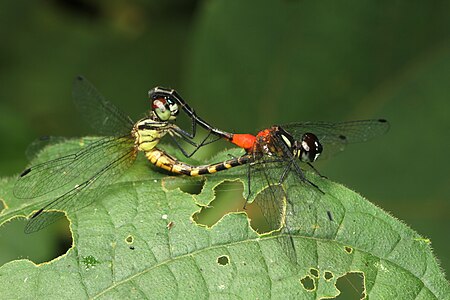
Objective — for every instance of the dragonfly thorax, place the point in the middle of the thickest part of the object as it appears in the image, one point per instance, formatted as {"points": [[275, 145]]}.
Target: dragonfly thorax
{"points": [[148, 132], [266, 143]]}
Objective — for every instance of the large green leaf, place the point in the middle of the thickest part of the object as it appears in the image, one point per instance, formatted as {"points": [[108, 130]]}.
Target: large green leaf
{"points": [[245, 65], [139, 241]]}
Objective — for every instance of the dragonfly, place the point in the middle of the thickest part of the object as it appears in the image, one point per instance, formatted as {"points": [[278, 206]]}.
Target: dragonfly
{"points": [[287, 145], [277, 155], [75, 178]]}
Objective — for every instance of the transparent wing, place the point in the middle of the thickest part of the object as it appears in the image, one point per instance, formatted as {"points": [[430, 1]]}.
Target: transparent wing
{"points": [[271, 200], [335, 136], [82, 194], [282, 205], [266, 195], [270, 176], [61, 172], [40, 143], [75, 179], [104, 117]]}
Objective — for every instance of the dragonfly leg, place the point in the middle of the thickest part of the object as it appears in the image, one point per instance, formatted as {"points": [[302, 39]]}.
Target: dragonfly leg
{"points": [[248, 186], [302, 177], [316, 171], [196, 146], [286, 171]]}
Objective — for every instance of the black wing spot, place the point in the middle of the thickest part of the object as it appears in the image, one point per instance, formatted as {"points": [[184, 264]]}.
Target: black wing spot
{"points": [[25, 172], [342, 137], [37, 213], [382, 120]]}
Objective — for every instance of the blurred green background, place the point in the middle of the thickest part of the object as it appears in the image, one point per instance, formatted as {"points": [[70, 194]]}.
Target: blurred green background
{"points": [[245, 65]]}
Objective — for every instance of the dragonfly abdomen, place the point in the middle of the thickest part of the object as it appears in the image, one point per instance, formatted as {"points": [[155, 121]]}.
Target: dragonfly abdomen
{"points": [[162, 160]]}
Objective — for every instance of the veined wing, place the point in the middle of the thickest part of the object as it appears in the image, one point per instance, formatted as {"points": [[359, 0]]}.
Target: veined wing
{"points": [[272, 200], [266, 194], [276, 202], [69, 170], [75, 179], [40, 143], [335, 136], [101, 114]]}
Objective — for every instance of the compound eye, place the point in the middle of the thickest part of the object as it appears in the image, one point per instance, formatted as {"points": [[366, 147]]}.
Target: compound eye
{"points": [[310, 147], [162, 109]]}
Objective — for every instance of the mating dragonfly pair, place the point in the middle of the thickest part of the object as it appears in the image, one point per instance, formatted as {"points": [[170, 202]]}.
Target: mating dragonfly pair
{"points": [[76, 178]]}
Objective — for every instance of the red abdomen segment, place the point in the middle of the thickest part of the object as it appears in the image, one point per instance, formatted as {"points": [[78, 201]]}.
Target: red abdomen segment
{"points": [[244, 140]]}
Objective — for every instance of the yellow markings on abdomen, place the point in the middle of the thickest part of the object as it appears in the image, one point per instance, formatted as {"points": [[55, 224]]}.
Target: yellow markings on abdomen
{"points": [[212, 169], [194, 172], [160, 159], [227, 165], [164, 161]]}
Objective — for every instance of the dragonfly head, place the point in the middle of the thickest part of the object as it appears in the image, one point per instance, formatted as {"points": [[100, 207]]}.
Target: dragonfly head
{"points": [[164, 108], [308, 148]]}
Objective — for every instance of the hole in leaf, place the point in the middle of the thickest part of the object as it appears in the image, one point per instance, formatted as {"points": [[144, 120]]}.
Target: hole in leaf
{"points": [[349, 250], [308, 283], [228, 198], [314, 272], [223, 260], [351, 286], [328, 275], [189, 185], [41, 246], [193, 188], [265, 215], [129, 239]]}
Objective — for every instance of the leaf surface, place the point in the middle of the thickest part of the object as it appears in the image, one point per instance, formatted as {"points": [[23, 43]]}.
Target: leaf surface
{"points": [[138, 240]]}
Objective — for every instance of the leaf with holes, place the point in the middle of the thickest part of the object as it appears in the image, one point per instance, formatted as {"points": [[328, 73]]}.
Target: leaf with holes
{"points": [[138, 240]]}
